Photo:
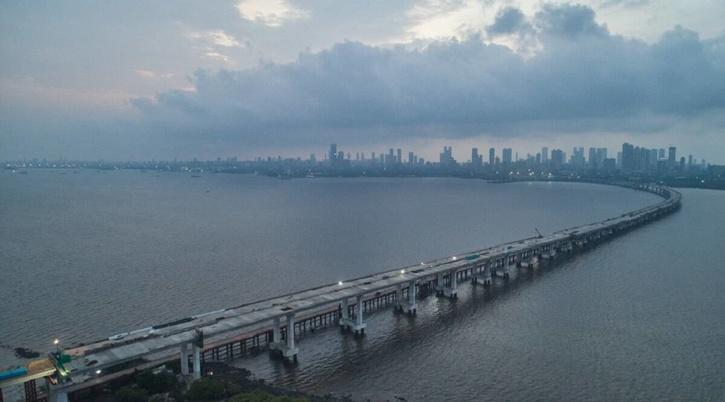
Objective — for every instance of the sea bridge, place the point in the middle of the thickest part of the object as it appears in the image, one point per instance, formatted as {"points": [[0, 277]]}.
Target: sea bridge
{"points": [[274, 323]]}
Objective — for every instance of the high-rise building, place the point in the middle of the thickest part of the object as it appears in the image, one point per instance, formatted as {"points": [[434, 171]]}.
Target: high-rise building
{"points": [[627, 156], [400, 156], [491, 156], [506, 155], [332, 155], [557, 158], [593, 158], [544, 155], [411, 157], [476, 159], [577, 157], [446, 157], [672, 157]]}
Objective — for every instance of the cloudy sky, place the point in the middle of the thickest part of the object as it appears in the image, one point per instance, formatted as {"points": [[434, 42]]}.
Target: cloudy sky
{"points": [[158, 79]]}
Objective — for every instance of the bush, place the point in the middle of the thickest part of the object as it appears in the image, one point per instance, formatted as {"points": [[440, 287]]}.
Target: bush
{"points": [[206, 389], [164, 381], [132, 394], [261, 396]]}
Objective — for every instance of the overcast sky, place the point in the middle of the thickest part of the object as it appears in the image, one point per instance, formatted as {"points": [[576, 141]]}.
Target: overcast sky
{"points": [[159, 79]]}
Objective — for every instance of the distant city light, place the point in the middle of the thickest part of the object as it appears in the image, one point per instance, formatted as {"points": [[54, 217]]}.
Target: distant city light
{"points": [[98, 372], [402, 271], [339, 283]]}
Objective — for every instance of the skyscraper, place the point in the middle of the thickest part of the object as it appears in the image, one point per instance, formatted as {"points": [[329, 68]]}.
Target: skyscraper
{"points": [[507, 153], [446, 157], [557, 158], [544, 155], [627, 156], [672, 157], [491, 156], [476, 159], [332, 155], [592, 158]]}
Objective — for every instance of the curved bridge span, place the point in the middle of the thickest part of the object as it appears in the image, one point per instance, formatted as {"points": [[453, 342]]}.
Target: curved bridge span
{"points": [[231, 332]]}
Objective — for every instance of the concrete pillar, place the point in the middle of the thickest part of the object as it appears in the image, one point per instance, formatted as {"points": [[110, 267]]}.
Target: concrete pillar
{"points": [[291, 331], [439, 284], [57, 395], [197, 362], [487, 275], [399, 298], [359, 325], [411, 298], [345, 320], [276, 335], [184, 360], [290, 351], [452, 290], [359, 316]]}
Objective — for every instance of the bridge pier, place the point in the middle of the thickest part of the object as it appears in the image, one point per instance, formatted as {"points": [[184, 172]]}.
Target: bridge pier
{"points": [[530, 263], [197, 362], [359, 325], [440, 285], [345, 322], [451, 291], [289, 351], [504, 272], [56, 394], [411, 307], [184, 360], [276, 344]]}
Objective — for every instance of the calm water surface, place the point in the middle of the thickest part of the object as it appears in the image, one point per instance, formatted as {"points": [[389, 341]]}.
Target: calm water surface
{"points": [[87, 255]]}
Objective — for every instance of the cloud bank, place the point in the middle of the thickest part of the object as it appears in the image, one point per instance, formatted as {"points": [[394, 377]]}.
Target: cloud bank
{"points": [[580, 78]]}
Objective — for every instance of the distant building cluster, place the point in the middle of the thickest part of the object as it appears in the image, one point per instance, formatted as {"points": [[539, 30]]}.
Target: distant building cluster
{"points": [[631, 163], [630, 159]]}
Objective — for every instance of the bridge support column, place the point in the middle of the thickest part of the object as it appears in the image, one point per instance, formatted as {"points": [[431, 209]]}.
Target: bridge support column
{"points": [[411, 308], [345, 322], [439, 284], [197, 362], [399, 298], [57, 395], [505, 268], [184, 360], [487, 276], [451, 291], [359, 325], [290, 351], [276, 343]]}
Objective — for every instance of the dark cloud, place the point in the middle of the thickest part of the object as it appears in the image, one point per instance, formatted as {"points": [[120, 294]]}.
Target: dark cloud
{"points": [[508, 20], [625, 3], [582, 79], [569, 20]]}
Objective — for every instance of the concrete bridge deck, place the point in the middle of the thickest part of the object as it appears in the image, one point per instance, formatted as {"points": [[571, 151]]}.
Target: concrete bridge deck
{"points": [[162, 342]]}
